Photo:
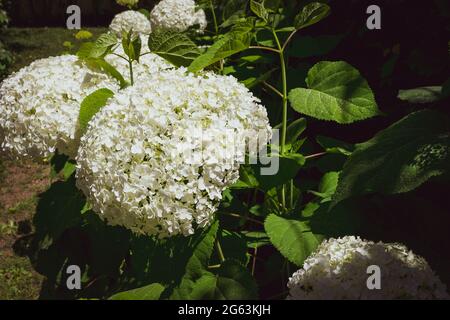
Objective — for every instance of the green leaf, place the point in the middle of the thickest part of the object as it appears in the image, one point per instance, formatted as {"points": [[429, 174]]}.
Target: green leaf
{"points": [[254, 81], [327, 186], [421, 95], [289, 165], [233, 11], [109, 69], [246, 180], [336, 91], [399, 158], [258, 8], [85, 50], [293, 238], [103, 45], [150, 292], [91, 105], [332, 145], [294, 130], [197, 264], [237, 40], [256, 239], [311, 14], [61, 163], [232, 282], [137, 47], [177, 48]]}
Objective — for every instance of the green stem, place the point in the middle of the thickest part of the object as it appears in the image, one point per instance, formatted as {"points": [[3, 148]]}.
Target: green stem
{"points": [[254, 261], [234, 215], [285, 105], [264, 48], [291, 199], [219, 251], [216, 27], [130, 63]]}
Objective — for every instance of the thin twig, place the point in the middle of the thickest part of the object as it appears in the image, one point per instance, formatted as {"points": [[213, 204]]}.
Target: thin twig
{"points": [[219, 251], [315, 155], [120, 56], [264, 48], [288, 39], [254, 261], [273, 88], [241, 217]]}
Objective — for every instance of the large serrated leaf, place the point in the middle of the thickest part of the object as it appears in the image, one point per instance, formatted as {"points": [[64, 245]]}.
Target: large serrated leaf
{"points": [[237, 40], [293, 238], [336, 91], [91, 105], [399, 158], [177, 48], [103, 44], [150, 292]]}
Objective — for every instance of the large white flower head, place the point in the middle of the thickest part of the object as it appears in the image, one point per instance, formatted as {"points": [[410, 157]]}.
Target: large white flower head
{"points": [[177, 15], [338, 270], [157, 158], [39, 106], [40, 103], [130, 20]]}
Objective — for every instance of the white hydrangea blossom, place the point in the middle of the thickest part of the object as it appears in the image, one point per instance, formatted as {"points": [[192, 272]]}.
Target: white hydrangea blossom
{"points": [[157, 158], [338, 270], [177, 15], [39, 105], [130, 20], [127, 3]]}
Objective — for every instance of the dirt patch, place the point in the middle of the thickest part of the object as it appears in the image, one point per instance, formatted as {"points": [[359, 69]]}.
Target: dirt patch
{"points": [[20, 183]]}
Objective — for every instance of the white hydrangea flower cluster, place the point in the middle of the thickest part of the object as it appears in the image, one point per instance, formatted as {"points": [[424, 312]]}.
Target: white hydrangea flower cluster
{"points": [[40, 103], [177, 15], [157, 158], [130, 20], [338, 270], [127, 3], [39, 106]]}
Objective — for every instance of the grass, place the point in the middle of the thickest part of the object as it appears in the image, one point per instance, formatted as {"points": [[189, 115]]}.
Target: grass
{"points": [[17, 280], [29, 44], [21, 182]]}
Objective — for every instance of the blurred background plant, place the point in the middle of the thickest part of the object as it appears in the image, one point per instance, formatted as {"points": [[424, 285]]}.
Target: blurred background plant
{"points": [[6, 58]]}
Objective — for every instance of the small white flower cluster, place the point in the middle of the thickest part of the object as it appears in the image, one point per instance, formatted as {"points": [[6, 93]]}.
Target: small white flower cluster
{"points": [[130, 20], [156, 159], [177, 15], [127, 3], [40, 105], [338, 270]]}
